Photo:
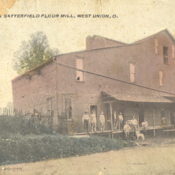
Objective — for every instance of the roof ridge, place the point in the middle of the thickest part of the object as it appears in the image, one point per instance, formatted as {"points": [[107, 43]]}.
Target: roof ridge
{"points": [[143, 39]]}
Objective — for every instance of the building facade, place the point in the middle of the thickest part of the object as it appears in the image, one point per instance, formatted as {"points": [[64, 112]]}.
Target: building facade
{"points": [[136, 79]]}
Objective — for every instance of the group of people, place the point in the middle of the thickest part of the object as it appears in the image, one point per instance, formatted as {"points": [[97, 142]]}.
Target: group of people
{"points": [[118, 121], [131, 126], [92, 120]]}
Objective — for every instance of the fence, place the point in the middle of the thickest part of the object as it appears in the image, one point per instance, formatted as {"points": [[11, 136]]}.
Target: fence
{"points": [[7, 111], [35, 116]]}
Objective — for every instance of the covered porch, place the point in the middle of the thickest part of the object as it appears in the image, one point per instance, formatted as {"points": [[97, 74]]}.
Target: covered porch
{"points": [[110, 133], [141, 107]]}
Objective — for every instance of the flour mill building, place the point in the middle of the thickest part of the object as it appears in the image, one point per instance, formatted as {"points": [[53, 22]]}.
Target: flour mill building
{"points": [[136, 79]]}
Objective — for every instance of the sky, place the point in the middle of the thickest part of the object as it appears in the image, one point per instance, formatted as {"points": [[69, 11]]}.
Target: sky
{"points": [[136, 20]]}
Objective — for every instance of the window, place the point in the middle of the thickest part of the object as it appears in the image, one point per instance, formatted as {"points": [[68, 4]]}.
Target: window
{"points": [[132, 72], [173, 51], [79, 74], [165, 55], [156, 46], [49, 106], [165, 51], [161, 78], [68, 108], [165, 60]]}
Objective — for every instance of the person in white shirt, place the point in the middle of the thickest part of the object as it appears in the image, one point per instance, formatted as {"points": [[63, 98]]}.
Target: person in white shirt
{"points": [[102, 121], [163, 122], [126, 129], [85, 120], [134, 123], [120, 120], [144, 124], [93, 121]]}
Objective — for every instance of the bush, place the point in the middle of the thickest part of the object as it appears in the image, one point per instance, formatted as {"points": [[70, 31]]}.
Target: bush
{"points": [[22, 141], [19, 125], [18, 149]]}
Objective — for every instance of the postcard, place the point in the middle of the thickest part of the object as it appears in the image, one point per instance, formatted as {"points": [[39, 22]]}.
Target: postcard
{"points": [[87, 87]]}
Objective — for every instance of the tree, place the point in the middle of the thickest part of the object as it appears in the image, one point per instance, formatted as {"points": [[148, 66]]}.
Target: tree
{"points": [[33, 52]]}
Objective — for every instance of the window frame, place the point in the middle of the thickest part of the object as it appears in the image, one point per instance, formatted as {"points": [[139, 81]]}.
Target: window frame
{"points": [[68, 107], [161, 78], [130, 73], [79, 71], [165, 57], [173, 51], [49, 105], [156, 45]]}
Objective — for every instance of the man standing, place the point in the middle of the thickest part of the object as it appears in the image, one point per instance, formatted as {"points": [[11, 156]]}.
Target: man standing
{"points": [[93, 122], [126, 129], [134, 123], [144, 125], [163, 122], [120, 121], [85, 120], [102, 121]]}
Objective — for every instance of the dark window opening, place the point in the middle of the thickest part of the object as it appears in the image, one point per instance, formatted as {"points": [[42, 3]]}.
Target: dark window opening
{"points": [[172, 119], [165, 55], [165, 51], [141, 115], [165, 60], [68, 108], [49, 106]]}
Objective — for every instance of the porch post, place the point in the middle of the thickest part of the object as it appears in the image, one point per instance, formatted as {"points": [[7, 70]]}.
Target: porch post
{"points": [[154, 124], [111, 119]]}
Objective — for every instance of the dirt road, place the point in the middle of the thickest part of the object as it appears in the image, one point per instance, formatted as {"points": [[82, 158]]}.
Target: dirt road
{"points": [[137, 160]]}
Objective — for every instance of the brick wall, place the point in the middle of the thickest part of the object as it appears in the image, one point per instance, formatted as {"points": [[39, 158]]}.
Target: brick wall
{"points": [[58, 81]]}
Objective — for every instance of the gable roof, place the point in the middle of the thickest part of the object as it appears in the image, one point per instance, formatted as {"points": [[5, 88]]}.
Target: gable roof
{"points": [[148, 37], [124, 45], [33, 70]]}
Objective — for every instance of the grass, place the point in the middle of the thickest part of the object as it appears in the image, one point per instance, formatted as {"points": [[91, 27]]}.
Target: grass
{"points": [[21, 143]]}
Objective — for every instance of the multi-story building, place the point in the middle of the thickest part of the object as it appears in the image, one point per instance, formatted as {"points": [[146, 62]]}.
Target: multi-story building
{"points": [[136, 79]]}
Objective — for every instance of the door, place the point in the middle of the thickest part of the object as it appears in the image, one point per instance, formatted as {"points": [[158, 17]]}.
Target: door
{"points": [[93, 108], [49, 106], [68, 108], [141, 115], [50, 113], [172, 117]]}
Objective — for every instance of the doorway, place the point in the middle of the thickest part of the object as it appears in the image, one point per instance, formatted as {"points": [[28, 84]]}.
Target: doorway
{"points": [[141, 115], [172, 118], [93, 108]]}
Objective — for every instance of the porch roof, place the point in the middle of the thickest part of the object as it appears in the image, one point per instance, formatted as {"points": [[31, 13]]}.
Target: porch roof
{"points": [[136, 97]]}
